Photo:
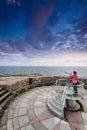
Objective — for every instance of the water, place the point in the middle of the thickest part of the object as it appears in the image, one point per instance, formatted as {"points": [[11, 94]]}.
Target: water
{"points": [[50, 71]]}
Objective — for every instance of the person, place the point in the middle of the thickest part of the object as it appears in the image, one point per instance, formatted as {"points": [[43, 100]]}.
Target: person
{"points": [[74, 79]]}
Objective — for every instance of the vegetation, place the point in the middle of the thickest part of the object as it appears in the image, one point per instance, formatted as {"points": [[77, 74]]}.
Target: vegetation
{"points": [[23, 74], [19, 74], [36, 74]]}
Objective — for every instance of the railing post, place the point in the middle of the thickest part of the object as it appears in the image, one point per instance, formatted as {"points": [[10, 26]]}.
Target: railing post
{"points": [[63, 99]]}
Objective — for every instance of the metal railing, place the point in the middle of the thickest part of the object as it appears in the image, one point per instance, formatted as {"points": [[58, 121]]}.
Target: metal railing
{"points": [[80, 87], [55, 91], [61, 83]]}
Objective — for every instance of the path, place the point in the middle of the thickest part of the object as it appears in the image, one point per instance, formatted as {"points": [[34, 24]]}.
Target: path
{"points": [[30, 112]]}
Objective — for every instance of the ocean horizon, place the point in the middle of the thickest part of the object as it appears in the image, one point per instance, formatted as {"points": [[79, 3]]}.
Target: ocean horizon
{"points": [[45, 70]]}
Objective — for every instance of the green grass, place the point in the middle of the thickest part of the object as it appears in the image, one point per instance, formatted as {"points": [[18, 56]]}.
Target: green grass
{"points": [[37, 74], [33, 74], [19, 75]]}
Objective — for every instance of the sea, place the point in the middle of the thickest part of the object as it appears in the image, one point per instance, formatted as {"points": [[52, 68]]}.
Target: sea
{"points": [[45, 70]]}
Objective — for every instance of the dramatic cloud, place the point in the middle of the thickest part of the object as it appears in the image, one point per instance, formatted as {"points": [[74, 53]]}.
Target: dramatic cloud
{"points": [[37, 30]]}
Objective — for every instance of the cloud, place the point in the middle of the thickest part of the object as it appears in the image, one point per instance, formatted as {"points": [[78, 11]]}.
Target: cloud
{"points": [[14, 2], [53, 59], [41, 30]]}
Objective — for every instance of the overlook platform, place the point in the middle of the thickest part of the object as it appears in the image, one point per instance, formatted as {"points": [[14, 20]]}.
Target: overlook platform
{"points": [[30, 112]]}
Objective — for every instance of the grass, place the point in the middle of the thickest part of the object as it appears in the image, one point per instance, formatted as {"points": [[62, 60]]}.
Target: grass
{"points": [[36, 74], [32, 74], [19, 74]]}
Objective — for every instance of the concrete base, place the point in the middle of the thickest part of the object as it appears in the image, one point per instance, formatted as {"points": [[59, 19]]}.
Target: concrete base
{"points": [[72, 105]]}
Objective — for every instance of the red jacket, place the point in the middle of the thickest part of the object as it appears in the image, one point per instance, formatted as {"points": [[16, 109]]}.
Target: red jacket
{"points": [[74, 78]]}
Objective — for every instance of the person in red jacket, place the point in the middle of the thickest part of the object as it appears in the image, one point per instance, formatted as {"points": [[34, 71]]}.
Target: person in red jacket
{"points": [[74, 80]]}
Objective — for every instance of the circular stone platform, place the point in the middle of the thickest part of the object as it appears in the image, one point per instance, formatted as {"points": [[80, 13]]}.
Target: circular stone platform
{"points": [[30, 112]]}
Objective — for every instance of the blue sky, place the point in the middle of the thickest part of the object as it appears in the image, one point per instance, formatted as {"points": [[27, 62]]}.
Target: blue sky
{"points": [[43, 32]]}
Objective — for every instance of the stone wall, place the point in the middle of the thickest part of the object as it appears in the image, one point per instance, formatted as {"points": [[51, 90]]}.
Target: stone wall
{"points": [[15, 83], [50, 79]]}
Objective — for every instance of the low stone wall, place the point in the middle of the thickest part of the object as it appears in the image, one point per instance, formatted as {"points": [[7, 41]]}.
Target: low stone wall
{"points": [[15, 83], [50, 79]]}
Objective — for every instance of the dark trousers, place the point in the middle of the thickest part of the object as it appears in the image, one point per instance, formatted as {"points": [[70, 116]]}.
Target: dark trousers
{"points": [[75, 87]]}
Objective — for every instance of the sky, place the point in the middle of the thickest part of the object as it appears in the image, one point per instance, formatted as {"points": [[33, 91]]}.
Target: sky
{"points": [[43, 32]]}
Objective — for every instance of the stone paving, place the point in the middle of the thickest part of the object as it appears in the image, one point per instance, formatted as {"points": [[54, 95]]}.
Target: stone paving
{"points": [[30, 112]]}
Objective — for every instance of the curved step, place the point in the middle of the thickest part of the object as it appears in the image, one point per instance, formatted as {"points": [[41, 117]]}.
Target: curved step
{"points": [[57, 102], [2, 98], [4, 102], [1, 88], [55, 110], [2, 92], [58, 108], [59, 99], [58, 95]]}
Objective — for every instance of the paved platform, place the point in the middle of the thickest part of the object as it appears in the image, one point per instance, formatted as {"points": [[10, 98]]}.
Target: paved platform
{"points": [[30, 112]]}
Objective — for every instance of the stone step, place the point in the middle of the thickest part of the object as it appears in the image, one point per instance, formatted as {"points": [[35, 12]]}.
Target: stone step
{"points": [[56, 106], [59, 99], [2, 92], [1, 88], [55, 111], [59, 95], [57, 102], [3, 97], [4, 101]]}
